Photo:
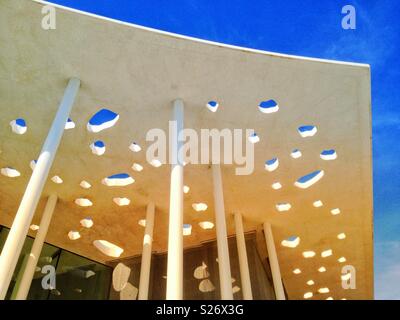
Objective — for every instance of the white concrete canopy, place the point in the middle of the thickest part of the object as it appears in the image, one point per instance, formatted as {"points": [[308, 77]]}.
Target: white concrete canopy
{"points": [[137, 72]]}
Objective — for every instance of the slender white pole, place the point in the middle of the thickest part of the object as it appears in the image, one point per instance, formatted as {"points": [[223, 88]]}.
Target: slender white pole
{"points": [[243, 262], [225, 279], [37, 246], [19, 229], [274, 263], [175, 233], [19, 275], [146, 254]]}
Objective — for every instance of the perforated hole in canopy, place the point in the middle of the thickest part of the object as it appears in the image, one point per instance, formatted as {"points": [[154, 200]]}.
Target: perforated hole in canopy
{"points": [[137, 167], [18, 126], [10, 172], [308, 180], [308, 254], [32, 164], [85, 185], [57, 180], [342, 259], [272, 164], [268, 106], [199, 206], [326, 253], [318, 204], [187, 229], [297, 271], [291, 242], [118, 180], [276, 186], [323, 290], [156, 163], [206, 225], [328, 155], [101, 120], [74, 235], [322, 269], [254, 138], [108, 248], [308, 295], [69, 124], [284, 206], [98, 147], [341, 236], [307, 131], [122, 201], [83, 202], [295, 154], [212, 106], [134, 147], [87, 222]]}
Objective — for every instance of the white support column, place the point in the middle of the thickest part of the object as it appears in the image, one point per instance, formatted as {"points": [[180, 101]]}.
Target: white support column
{"points": [[19, 276], [222, 238], [175, 233], [15, 240], [146, 254], [243, 262], [274, 263], [33, 258]]}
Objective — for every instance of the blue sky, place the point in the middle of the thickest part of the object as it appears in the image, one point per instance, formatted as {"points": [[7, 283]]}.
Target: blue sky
{"points": [[309, 28]]}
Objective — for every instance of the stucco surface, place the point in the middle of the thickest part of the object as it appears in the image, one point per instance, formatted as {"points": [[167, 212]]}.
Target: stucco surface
{"points": [[137, 73]]}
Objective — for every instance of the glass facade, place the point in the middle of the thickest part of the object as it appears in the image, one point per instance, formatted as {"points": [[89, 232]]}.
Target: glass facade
{"points": [[77, 278]]}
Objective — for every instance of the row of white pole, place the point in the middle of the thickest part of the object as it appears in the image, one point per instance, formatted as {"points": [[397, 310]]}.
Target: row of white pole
{"points": [[145, 266], [175, 233], [225, 279], [19, 229]]}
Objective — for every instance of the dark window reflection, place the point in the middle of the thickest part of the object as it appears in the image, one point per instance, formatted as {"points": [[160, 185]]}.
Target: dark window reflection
{"points": [[201, 274], [77, 278]]}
